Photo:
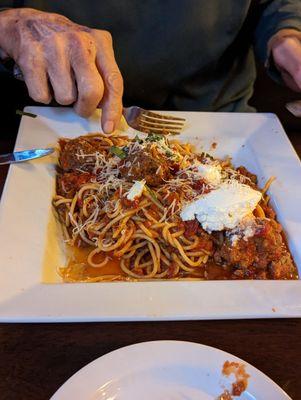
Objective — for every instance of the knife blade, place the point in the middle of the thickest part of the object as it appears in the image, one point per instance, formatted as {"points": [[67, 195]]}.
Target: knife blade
{"points": [[25, 155]]}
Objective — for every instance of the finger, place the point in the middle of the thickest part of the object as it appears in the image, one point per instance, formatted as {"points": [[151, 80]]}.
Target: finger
{"points": [[112, 100], [59, 71], [89, 82], [34, 72], [287, 56]]}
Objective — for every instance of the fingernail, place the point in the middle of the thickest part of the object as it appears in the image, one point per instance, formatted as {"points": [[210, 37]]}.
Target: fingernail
{"points": [[109, 127]]}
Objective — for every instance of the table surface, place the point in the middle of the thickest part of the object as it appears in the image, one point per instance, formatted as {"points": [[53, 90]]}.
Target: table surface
{"points": [[36, 359]]}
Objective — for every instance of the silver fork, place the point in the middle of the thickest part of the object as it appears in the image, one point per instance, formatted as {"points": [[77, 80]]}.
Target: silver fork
{"points": [[150, 122]]}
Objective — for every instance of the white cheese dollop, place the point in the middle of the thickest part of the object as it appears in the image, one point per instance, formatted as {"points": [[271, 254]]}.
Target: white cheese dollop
{"points": [[244, 230], [224, 207], [136, 190], [211, 173]]}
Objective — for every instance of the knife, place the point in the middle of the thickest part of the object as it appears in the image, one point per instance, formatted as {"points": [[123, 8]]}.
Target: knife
{"points": [[25, 155]]}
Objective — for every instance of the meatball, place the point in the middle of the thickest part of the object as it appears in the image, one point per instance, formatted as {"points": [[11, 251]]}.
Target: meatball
{"points": [[68, 183], [243, 171], [283, 268], [262, 256], [241, 255], [79, 153], [141, 165]]}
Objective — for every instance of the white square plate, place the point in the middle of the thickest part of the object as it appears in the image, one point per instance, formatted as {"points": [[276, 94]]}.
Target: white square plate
{"points": [[30, 240]]}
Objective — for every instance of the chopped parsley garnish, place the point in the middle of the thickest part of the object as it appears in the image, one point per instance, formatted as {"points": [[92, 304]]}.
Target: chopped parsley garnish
{"points": [[153, 196], [206, 155], [137, 139], [154, 137], [27, 114], [121, 153]]}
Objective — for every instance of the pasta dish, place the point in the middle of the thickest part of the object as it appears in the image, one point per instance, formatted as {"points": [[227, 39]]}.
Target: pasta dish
{"points": [[152, 208]]}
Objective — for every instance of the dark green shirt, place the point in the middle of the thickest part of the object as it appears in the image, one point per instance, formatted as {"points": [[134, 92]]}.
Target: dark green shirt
{"points": [[184, 54]]}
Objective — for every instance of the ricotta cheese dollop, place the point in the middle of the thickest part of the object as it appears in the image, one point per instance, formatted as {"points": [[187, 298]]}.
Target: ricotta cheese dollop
{"points": [[244, 230], [136, 190], [224, 207], [211, 173]]}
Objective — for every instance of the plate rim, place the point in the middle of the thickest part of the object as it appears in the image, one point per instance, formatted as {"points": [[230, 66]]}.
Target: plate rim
{"points": [[41, 290], [152, 344]]}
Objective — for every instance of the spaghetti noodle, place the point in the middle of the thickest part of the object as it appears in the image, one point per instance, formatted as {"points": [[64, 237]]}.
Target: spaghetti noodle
{"points": [[142, 236]]}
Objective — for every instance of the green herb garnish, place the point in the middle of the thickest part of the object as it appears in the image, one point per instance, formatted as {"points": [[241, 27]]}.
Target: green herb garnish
{"points": [[154, 197], [137, 139], [206, 155], [118, 152], [169, 153], [154, 137], [27, 114]]}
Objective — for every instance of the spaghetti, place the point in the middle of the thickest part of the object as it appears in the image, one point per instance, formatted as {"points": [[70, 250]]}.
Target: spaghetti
{"points": [[140, 236]]}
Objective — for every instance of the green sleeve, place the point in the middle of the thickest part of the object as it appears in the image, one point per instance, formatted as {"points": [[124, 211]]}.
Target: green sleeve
{"points": [[276, 15]]}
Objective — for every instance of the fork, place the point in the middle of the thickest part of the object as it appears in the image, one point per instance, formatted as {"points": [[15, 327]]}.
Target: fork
{"points": [[150, 122]]}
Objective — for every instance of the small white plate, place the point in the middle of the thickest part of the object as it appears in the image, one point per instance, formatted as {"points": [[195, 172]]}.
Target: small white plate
{"points": [[31, 242], [164, 370]]}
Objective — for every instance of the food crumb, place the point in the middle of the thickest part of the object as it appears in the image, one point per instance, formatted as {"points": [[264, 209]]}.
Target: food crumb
{"points": [[225, 396], [213, 145], [273, 309], [241, 376]]}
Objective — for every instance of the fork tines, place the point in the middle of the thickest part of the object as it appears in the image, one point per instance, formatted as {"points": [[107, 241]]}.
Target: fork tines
{"points": [[153, 122]]}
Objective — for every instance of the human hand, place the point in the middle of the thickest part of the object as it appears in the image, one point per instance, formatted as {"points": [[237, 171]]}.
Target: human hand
{"points": [[60, 59], [285, 47]]}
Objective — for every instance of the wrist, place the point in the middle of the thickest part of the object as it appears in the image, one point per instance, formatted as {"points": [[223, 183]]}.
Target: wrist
{"points": [[7, 18], [282, 36], [7, 15]]}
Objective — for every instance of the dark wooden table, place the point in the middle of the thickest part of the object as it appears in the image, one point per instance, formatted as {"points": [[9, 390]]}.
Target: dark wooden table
{"points": [[35, 359]]}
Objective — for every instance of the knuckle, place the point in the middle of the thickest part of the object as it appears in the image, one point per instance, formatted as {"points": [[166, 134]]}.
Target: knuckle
{"points": [[107, 36], [76, 38], [31, 61], [65, 99], [59, 18], [91, 94], [115, 81], [40, 97], [284, 43], [82, 45], [112, 111]]}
